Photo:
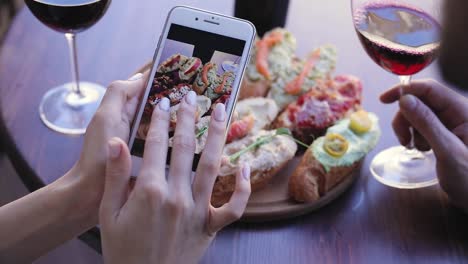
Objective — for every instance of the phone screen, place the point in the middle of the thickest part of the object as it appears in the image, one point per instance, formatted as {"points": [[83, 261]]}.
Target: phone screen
{"points": [[191, 59]]}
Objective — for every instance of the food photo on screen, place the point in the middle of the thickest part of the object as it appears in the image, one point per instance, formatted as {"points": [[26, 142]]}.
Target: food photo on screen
{"points": [[191, 60]]}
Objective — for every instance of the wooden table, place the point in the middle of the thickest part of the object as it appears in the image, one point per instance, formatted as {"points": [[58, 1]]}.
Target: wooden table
{"points": [[370, 223]]}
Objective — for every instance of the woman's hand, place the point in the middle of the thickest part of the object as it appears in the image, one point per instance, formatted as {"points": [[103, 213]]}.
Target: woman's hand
{"points": [[167, 218], [112, 119], [440, 118]]}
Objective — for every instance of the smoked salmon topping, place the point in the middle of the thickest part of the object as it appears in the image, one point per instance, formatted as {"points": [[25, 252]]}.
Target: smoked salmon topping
{"points": [[263, 49], [294, 87], [240, 128]]}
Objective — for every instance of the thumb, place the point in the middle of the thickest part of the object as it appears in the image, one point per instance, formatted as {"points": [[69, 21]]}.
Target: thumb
{"points": [[117, 178], [423, 119]]}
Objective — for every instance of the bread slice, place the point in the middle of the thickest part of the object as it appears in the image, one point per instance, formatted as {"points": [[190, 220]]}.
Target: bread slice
{"points": [[263, 109], [250, 88], [225, 185], [310, 181], [265, 161]]}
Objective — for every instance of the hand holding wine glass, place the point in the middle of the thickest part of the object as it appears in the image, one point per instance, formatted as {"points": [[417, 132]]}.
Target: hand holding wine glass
{"points": [[69, 108], [401, 36], [441, 116]]}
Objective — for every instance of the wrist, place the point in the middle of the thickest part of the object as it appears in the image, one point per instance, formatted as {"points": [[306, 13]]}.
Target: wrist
{"points": [[81, 204]]}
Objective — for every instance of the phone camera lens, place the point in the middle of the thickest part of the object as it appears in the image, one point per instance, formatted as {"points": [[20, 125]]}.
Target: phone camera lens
{"points": [[196, 18]]}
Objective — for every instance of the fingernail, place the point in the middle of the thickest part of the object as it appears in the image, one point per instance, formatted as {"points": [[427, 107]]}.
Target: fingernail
{"points": [[407, 101], [164, 104], [114, 148], [191, 98], [136, 77], [219, 112], [246, 171]]}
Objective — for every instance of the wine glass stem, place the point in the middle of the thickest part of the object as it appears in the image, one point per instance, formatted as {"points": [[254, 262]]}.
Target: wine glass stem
{"points": [[405, 81], [74, 63]]}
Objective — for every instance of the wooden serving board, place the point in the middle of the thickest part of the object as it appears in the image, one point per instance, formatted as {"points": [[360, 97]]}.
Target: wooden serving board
{"points": [[273, 203]]}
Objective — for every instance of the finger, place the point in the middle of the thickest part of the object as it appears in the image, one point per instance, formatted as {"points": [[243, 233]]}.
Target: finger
{"points": [[138, 82], [134, 97], [208, 167], [450, 107], [417, 88], [119, 92], [427, 124], [117, 178], [420, 142], [462, 133], [401, 128], [234, 209], [156, 144], [183, 147]]}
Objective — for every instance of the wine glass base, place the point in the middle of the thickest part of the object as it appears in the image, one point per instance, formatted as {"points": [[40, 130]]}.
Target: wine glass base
{"points": [[397, 167], [66, 112]]}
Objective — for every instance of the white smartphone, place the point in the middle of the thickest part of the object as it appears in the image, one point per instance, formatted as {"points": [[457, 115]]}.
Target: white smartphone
{"points": [[197, 50]]}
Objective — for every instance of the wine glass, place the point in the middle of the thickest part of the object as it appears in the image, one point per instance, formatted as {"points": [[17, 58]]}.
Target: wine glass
{"points": [[402, 37], [69, 108]]}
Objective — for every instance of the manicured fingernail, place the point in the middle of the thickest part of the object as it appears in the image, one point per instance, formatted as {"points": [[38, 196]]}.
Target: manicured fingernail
{"points": [[114, 148], [407, 101], [246, 171], [219, 112], [191, 98], [164, 104], [136, 77]]}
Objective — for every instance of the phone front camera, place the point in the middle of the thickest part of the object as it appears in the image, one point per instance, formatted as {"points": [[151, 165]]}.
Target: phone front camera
{"points": [[196, 18]]}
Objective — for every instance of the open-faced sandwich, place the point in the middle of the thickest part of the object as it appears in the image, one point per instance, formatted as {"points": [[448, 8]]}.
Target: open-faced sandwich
{"points": [[203, 105], [206, 78], [190, 68], [313, 112], [271, 55], [333, 157], [222, 86], [303, 76], [265, 151], [253, 115], [173, 63]]}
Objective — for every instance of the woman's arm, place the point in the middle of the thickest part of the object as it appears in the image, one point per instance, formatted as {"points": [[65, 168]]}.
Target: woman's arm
{"points": [[44, 219]]}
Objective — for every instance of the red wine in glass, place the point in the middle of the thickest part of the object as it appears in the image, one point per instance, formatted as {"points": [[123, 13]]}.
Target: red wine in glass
{"points": [[69, 108], [68, 15], [400, 39]]}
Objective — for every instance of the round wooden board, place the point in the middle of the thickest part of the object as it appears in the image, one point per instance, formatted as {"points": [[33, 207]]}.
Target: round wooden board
{"points": [[273, 203]]}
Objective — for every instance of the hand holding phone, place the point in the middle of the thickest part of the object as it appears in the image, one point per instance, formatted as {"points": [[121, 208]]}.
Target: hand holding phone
{"points": [[167, 219], [190, 56]]}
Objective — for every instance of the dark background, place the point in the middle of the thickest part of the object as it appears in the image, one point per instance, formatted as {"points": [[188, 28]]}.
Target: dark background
{"points": [[205, 42]]}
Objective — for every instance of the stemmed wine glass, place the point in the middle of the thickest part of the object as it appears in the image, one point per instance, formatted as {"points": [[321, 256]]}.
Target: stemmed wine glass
{"points": [[69, 108], [401, 36]]}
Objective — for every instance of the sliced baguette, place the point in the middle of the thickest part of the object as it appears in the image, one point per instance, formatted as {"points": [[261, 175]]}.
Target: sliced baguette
{"points": [[265, 161], [310, 181], [225, 185]]}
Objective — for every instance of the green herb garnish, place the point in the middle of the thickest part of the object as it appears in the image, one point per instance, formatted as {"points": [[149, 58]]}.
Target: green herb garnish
{"points": [[201, 131], [263, 140]]}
